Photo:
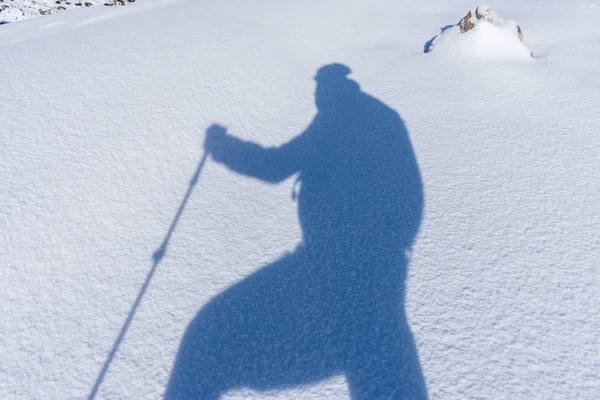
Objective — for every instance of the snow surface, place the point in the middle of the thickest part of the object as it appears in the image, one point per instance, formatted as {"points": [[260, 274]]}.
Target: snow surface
{"points": [[103, 118]]}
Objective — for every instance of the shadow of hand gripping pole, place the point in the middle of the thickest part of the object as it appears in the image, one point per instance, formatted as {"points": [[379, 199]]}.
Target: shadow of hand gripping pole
{"points": [[157, 257]]}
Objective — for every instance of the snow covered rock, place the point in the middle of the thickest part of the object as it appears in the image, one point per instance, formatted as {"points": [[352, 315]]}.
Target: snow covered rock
{"points": [[10, 14], [19, 10], [482, 33]]}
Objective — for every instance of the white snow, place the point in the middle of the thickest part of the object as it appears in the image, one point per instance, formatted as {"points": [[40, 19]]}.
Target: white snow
{"points": [[103, 117]]}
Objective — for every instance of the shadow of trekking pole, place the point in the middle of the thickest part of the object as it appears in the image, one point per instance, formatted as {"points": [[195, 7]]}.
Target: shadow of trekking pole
{"points": [[157, 257]]}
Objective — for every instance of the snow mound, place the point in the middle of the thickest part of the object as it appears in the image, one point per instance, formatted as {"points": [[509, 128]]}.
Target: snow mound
{"points": [[482, 33]]}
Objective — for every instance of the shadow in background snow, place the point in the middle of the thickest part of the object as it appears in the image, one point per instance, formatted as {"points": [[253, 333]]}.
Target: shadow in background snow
{"points": [[336, 305], [428, 44]]}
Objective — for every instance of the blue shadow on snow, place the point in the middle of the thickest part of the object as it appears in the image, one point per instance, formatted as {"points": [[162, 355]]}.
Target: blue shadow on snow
{"points": [[429, 43], [336, 305]]}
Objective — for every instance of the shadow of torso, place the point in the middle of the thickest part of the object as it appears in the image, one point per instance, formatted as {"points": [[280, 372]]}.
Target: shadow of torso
{"points": [[335, 305]]}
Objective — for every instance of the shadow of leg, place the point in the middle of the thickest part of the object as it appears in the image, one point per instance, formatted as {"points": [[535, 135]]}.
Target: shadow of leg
{"points": [[195, 374], [387, 367], [270, 330]]}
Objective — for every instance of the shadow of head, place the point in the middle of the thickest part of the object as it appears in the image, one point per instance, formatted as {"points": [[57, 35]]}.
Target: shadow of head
{"points": [[334, 306], [333, 87]]}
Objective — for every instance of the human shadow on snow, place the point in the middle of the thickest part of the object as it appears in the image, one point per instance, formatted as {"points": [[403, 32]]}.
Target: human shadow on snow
{"points": [[336, 305]]}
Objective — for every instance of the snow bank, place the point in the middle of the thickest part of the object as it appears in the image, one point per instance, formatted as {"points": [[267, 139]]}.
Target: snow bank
{"points": [[482, 33], [19, 10]]}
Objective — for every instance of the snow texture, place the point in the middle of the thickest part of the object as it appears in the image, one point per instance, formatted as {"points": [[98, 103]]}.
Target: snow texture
{"points": [[371, 222]]}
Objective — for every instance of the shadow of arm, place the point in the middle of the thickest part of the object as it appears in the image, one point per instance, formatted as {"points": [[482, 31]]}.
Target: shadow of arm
{"points": [[272, 164]]}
